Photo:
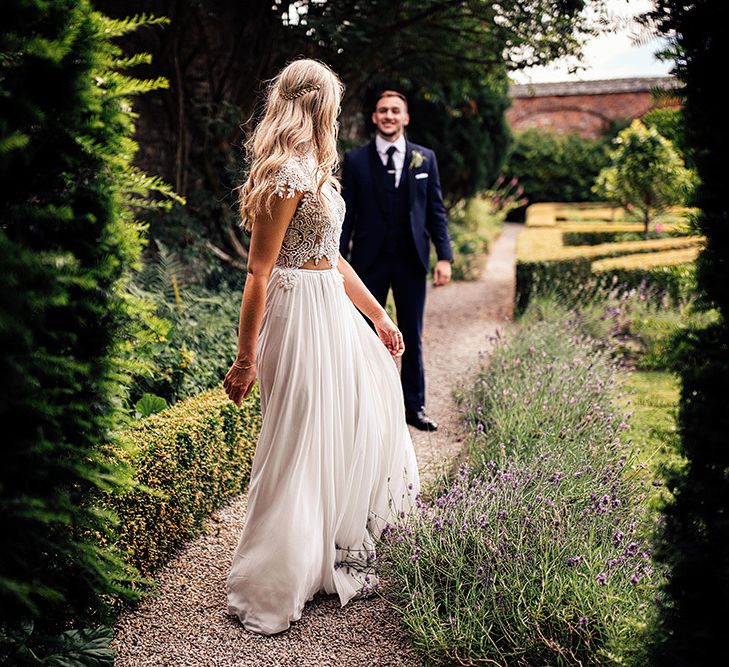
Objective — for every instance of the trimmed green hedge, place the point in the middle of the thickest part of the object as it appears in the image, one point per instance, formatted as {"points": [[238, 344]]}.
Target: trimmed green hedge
{"points": [[555, 275], [575, 281], [599, 238], [188, 460], [674, 281], [547, 263]]}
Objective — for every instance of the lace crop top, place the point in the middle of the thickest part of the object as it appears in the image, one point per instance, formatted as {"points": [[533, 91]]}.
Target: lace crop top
{"points": [[316, 225]]}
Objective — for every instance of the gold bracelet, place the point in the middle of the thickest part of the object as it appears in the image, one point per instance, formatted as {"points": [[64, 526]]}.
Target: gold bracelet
{"points": [[243, 368]]}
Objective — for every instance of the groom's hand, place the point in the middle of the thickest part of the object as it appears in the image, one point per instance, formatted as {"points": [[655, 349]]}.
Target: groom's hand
{"points": [[442, 272]]}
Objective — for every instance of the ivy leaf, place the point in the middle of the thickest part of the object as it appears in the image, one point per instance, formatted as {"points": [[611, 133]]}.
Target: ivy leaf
{"points": [[150, 404]]}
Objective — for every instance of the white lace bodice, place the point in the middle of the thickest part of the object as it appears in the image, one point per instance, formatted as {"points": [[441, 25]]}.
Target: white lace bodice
{"points": [[316, 226]]}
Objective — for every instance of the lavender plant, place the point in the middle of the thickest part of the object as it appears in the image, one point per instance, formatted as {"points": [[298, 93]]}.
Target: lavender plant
{"points": [[538, 552]]}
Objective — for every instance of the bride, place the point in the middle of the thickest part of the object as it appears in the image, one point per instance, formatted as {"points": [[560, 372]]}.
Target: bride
{"points": [[334, 461]]}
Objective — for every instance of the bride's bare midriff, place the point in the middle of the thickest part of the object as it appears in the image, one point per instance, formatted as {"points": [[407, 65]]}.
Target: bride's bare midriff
{"points": [[323, 264]]}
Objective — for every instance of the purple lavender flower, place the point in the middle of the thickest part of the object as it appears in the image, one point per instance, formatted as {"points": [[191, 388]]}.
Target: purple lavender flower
{"points": [[631, 549], [583, 621], [601, 579]]}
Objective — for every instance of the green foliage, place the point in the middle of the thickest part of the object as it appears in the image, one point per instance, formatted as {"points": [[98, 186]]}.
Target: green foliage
{"points": [[645, 172], [670, 123], [574, 282], [90, 647], [187, 461], [149, 404], [653, 397], [641, 329], [473, 226], [68, 241], [400, 41], [597, 238], [181, 344], [695, 530], [439, 52], [557, 168], [577, 273], [565, 277], [464, 123], [537, 553]]}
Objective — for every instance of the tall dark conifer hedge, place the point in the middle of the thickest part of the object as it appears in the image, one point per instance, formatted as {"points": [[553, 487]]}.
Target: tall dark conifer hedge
{"points": [[691, 627], [67, 241]]}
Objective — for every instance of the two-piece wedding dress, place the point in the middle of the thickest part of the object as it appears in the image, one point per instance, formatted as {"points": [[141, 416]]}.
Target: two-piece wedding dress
{"points": [[334, 461]]}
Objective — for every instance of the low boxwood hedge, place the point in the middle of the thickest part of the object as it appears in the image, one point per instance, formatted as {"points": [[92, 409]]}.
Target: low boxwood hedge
{"points": [[187, 460], [545, 262]]}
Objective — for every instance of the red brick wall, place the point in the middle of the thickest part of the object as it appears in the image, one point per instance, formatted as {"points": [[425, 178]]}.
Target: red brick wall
{"points": [[588, 115]]}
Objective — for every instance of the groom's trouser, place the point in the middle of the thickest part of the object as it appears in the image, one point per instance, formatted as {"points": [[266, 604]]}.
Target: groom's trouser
{"points": [[402, 270]]}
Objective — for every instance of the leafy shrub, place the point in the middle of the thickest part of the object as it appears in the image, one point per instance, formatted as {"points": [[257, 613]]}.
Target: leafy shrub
{"points": [[695, 531], [187, 461], [68, 241], [472, 226], [670, 123], [183, 344], [555, 168], [546, 244], [645, 172], [464, 123]]}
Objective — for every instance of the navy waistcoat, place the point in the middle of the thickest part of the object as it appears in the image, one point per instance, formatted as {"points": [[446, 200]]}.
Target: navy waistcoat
{"points": [[397, 209]]}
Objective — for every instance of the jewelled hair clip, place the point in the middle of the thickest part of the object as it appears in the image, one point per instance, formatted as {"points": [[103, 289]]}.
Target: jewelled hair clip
{"points": [[298, 92]]}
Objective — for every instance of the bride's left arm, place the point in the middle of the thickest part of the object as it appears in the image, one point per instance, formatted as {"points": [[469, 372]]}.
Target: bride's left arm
{"points": [[363, 299]]}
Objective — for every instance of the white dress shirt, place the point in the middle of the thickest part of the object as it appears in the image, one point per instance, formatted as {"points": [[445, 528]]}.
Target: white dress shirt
{"points": [[398, 157]]}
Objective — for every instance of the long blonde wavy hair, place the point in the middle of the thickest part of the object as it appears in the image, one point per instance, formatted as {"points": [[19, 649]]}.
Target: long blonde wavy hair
{"points": [[302, 104]]}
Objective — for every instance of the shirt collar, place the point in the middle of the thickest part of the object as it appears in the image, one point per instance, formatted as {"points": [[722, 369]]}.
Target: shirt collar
{"points": [[382, 144]]}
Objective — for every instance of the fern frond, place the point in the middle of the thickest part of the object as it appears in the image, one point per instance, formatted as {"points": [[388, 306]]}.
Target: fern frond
{"points": [[121, 85], [137, 182], [131, 61], [118, 27], [169, 272]]}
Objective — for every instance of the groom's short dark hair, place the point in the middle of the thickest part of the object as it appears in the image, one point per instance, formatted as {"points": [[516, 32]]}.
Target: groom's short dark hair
{"points": [[391, 93]]}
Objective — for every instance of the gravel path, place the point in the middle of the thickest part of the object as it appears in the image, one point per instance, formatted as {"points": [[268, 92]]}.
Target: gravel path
{"points": [[186, 623]]}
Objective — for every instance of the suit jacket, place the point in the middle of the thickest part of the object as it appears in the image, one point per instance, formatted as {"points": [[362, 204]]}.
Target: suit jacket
{"points": [[363, 190]]}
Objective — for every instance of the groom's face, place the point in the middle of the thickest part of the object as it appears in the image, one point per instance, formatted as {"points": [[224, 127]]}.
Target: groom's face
{"points": [[391, 117]]}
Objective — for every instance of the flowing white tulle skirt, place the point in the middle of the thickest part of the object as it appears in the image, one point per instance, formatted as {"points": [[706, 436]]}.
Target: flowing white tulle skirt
{"points": [[334, 461]]}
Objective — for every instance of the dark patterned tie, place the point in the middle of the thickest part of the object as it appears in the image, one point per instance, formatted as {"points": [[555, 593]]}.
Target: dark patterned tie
{"points": [[390, 168]]}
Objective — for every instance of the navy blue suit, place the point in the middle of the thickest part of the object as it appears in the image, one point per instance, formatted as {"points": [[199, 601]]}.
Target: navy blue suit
{"points": [[386, 237]]}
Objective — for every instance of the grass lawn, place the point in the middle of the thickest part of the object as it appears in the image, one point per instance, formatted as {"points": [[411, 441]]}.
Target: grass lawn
{"points": [[653, 396]]}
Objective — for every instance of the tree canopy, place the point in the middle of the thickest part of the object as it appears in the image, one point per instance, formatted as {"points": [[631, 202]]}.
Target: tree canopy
{"points": [[446, 56]]}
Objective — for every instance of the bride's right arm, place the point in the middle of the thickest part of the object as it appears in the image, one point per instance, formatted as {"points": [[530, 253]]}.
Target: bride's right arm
{"points": [[363, 300], [266, 238]]}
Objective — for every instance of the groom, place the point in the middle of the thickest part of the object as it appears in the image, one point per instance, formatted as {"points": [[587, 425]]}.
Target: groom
{"points": [[395, 209]]}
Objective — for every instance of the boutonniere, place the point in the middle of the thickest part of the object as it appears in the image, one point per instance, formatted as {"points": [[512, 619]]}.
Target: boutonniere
{"points": [[417, 159]]}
